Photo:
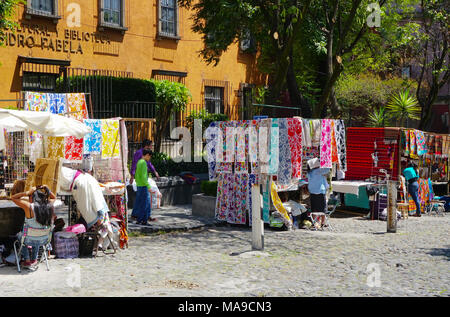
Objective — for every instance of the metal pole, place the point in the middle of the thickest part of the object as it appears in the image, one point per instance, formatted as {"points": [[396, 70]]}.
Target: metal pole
{"points": [[257, 224], [392, 206]]}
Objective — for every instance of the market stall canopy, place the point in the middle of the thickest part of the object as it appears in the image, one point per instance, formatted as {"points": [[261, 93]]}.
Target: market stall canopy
{"points": [[44, 123]]}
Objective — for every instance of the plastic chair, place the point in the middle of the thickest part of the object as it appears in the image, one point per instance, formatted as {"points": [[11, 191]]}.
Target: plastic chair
{"points": [[437, 207], [37, 233]]}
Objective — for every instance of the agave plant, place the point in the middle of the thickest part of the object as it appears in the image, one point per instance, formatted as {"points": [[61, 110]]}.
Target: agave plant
{"points": [[403, 106], [377, 118]]}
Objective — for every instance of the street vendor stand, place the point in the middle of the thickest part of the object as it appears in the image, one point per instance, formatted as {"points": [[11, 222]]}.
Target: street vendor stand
{"points": [[378, 154], [106, 140]]}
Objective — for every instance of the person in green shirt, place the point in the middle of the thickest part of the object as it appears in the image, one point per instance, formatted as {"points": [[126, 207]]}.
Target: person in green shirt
{"points": [[142, 208], [410, 173]]}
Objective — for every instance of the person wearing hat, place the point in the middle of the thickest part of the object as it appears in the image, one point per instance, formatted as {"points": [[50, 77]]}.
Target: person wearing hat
{"points": [[317, 185]]}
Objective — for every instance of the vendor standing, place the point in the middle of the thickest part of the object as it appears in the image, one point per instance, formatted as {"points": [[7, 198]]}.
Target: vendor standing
{"points": [[317, 185], [142, 206], [146, 145], [411, 176]]}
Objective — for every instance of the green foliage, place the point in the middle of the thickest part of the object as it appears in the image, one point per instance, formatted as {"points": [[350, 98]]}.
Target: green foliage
{"points": [[359, 95], [206, 117], [171, 97], [7, 9], [209, 188], [377, 118], [167, 167], [403, 106], [122, 89]]}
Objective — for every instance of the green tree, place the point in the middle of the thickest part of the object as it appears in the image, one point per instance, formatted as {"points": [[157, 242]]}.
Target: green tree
{"points": [[377, 118], [171, 97], [7, 9], [403, 106]]}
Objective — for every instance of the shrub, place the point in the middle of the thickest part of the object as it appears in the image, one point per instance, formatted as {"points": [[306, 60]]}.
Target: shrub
{"points": [[167, 167], [206, 117], [209, 188]]}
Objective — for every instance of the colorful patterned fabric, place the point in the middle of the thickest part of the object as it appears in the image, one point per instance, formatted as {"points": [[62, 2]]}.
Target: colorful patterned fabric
{"points": [[241, 154], [421, 142], [232, 198], [341, 144], [110, 138], [55, 147], [211, 139], [412, 143], [274, 147], [93, 140], [325, 144], [76, 106], [306, 135], [264, 145], [334, 152], [36, 101], [438, 145], [252, 179], [266, 200], [279, 205], [253, 146], [430, 143], [295, 143], [405, 142], [73, 148], [316, 131], [284, 174], [57, 103]]}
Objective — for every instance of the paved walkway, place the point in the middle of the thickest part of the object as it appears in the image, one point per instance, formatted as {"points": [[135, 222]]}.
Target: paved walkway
{"points": [[357, 259]]}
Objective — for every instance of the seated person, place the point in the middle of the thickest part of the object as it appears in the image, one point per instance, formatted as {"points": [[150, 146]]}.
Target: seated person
{"points": [[39, 214]]}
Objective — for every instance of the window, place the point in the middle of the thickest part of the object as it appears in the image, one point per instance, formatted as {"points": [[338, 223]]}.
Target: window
{"points": [[38, 81], [168, 18], [214, 101], [112, 14], [42, 7]]}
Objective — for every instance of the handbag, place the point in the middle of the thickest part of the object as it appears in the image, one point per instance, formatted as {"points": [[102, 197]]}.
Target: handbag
{"points": [[88, 241], [66, 245]]}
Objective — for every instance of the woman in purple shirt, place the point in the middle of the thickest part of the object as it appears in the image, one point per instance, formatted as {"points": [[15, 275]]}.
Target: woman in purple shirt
{"points": [[147, 144]]}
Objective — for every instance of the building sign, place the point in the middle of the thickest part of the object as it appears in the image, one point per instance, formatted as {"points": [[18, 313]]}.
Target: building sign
{"points": [[40, 36]]}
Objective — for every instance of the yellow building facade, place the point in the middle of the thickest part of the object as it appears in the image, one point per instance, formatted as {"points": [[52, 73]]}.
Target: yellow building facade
{"points": [[140, 39]]}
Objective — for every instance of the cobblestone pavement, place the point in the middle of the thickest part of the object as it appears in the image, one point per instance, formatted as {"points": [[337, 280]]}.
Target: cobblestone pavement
{"points": [[357, 259]]}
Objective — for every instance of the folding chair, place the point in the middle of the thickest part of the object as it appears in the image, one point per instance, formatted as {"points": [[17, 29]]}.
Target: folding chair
{"points": [[37, 233], [437, 207], [333, 202]]}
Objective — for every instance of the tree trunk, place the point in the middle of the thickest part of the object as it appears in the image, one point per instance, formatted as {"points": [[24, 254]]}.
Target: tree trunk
{"points": [[294, 93]]}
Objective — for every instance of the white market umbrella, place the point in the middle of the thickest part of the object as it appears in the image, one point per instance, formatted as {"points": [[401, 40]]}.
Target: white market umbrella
{"points": [[44, 123]]}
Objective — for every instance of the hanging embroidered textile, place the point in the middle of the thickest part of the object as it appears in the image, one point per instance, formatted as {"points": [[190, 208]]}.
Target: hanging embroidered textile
{"points": [[241, 152], [412, 144], [211, 139], [405, 142], [274, 147], [284, 174], [76, 106], [325, 144], [334, 153], [421, 142], [252, 180], [295, 143], [316, 131], [93, 140], [36, 101], [438, 145], [57, 103], [73, 148], [341, 144], [229, 144], [110, 138], [306, 135], [279, 206], [232, 198], [264, 137], [55, 147], [266, 201], [253, 146]]}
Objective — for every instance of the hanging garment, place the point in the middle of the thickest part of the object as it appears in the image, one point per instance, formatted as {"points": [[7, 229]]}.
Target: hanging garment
{"points": [[110, 138], [36, 101], [405, 138], [284, 174], [430, 144], [57, 103], [280, 209], [266, 200], [35, 142], [211, 143], [229, 144], [241, 152], [253, 146], [295, 143], [274, 147], [252, 180], [403, 187], [73, 148], [232, 198], [264, 137], [55, 147], [334, 153], [306, 135], [421, 142], [93, 140], [316, 131], [412, 144], [76, 106], [325, 144], [341, 144], [438, 145]]}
